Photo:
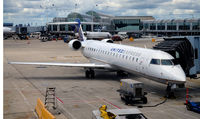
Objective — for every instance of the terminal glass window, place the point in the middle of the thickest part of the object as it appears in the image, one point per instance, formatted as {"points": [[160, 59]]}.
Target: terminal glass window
{"points": [[66, 27], [145, 26], [196, 25], [88, 27], [126, 24], [83, 27], [153, 26], [54, 27], [171, 26], [62, 27], [161, 26], [49, 27], [184, 26], [155, 61], [166, 62]]}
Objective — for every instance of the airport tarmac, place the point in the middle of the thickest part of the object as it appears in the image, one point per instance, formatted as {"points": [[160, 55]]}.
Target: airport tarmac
{"points": [[23, 84]]}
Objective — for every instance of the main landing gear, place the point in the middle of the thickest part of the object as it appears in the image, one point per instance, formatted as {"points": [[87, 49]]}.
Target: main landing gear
{"points": [[89, 73], [122, 74]]}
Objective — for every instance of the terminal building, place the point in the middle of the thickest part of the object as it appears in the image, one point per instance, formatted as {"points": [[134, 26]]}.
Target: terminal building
{"points": [[174, 27], [93, 21]]}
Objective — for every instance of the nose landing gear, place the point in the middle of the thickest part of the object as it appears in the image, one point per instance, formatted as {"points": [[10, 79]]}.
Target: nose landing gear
{"points": [[169, 92]]}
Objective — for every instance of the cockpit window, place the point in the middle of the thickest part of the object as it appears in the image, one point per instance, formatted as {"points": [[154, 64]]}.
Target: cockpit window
{"points": [[155, 61], [166, 62]]}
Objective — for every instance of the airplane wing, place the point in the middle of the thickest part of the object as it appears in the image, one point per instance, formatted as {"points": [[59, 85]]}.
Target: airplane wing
{"points": [[84, 65]]}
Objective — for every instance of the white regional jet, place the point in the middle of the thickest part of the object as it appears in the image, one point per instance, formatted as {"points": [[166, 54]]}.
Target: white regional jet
{"points": [[153, 64]]}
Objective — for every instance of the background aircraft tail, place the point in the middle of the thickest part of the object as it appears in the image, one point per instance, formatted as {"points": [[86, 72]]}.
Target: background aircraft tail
{"points": [[80, 30]]}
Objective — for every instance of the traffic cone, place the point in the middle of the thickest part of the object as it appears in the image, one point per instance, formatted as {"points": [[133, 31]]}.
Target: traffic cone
{"points": [[131, 39]]}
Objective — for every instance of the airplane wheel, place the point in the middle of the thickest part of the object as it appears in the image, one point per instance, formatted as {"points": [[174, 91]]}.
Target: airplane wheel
{"points": [[168, 91], [122, 74], [92, 74], [188, 106], [144, 100], [122, 98], [87, 74]]}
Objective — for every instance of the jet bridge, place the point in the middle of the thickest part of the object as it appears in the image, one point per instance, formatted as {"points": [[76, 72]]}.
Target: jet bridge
{"points": [[185, 50]]}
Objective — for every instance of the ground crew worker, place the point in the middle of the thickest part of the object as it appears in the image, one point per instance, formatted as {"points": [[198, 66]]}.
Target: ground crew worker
{"points": [[105, 114]]}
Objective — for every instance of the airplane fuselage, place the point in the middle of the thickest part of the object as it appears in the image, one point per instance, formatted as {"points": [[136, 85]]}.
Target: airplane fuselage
{"points": [[135, 60]]}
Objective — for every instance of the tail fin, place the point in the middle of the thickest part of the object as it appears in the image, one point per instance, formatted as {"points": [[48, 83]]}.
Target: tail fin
{"points": [[80, 30]]}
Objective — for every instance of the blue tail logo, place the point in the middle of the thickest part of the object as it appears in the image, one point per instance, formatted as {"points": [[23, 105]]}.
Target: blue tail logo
{"points": [[79, 30]]}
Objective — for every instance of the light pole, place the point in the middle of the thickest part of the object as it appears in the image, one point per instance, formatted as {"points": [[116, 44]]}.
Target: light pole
{"points": [[46, 9], [93, 17], [75, 6]]}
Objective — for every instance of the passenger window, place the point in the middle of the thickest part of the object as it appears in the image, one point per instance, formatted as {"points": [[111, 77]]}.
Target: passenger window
{"points": [[155, 61], [166, 62]]}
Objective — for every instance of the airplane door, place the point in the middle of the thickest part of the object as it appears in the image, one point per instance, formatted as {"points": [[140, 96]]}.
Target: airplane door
{"points": [[154, 69], [142, 65]]}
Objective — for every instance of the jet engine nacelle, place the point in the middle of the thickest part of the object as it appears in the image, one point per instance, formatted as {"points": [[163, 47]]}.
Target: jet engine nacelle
{"points": [[75, 44], [107, 40]]}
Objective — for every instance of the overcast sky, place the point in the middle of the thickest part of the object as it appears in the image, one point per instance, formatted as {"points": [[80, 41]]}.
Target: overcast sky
{"points": [[35, 12]]}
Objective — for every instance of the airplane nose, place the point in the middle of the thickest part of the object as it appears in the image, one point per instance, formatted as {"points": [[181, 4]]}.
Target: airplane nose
{"points": [[179, 75]]}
